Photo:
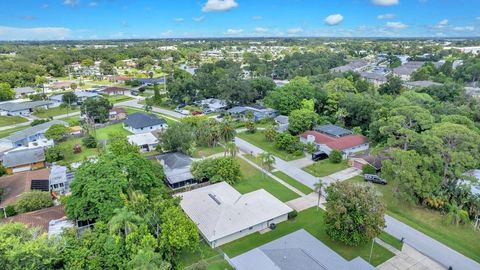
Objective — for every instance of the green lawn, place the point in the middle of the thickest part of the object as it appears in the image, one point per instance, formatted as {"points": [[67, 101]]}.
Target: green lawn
{"points": [[258, 139], [55, 112], [119, 98], [391, 240], [463, 238], [11, 120], [212, 257], [207, 151], [253, 179], [312, 221], [7, 132], [294, 183], [67, 147], [102, 133], [325, 167]]}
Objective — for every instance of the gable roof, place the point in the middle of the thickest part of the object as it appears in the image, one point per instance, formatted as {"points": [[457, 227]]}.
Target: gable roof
{"points": [[19, 106], [25, 133], [219, 210], [142, 139], [296, 251], [141, 120], [38, 219], [23, 156], [341, 143], [114, 90]]}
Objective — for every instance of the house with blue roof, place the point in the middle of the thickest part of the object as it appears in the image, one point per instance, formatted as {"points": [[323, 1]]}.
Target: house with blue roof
{"points": [[142, 123]]}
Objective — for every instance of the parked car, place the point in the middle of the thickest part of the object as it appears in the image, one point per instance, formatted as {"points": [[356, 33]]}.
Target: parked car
{"points": [[196, 113], [374, 179], [319, 155]]}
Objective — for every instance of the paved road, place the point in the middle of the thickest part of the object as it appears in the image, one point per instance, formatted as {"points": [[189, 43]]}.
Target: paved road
{"points": [[423, 243], [134, 103], [429, 246]]}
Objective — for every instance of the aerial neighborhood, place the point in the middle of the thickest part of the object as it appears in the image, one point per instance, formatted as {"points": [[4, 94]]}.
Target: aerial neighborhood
{"points": [[288, 152]]}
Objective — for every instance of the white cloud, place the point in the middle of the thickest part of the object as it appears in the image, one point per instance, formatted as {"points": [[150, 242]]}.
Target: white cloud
{"points": [[179, 20], [464, 28], [334, 19], [35, 33], [386, 16], [385, 2], [219, 5], [261, 30], [234, 31], [257, 18], [167, 33], [442, 23], [71, 3], [396, 25], [92, 4], [198, 19], [295, 30]]}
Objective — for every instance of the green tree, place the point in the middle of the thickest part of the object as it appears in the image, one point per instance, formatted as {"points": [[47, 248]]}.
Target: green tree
{"points": [[33, 200], [147, 259], [57, 132], [355, 214], [96, 109], [54, 154], [216, 170], [87, 62], [335, 156], [178, 137], [319, 187], [270, 133], [6, 93], [289, 97], [456, 215], [69, 98], [123, 222], [267, 161], [340, 85], [302, 120], [231, 148], [89, 141], [251, 127], [227, 130], [288, 143], [393, 86]]}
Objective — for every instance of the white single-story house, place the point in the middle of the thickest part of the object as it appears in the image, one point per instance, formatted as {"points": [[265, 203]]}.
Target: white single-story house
{"points": [[329, 137], [28, 135], [142, 123], [22, 108], [146, 141], [223, 214], [213, 104]]}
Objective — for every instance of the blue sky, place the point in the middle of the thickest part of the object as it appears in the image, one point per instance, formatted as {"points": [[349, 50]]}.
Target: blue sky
{"points": [[113, 19]]}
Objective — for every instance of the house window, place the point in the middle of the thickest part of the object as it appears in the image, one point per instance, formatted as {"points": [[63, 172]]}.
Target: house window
{"points": [[250, 228]]}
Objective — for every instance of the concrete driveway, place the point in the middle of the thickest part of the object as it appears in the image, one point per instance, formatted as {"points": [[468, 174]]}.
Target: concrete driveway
{"points": [[409, 258]]}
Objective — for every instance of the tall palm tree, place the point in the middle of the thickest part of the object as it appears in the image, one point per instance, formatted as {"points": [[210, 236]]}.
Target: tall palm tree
{"points": [[456, 215], [267, 160], [227, 129], [319, 186], [123, 222], [231, 148]]}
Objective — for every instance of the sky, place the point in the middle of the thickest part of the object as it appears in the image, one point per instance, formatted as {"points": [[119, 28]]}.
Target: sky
{"points": [[134, 19]]}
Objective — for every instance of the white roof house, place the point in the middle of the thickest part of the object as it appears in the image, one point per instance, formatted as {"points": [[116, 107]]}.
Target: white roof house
{"points": [[222, 214], [146, 141]]}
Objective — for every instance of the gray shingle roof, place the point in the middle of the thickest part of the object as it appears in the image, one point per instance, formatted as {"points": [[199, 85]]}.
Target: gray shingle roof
{"points": [[24, 90], [24, 156], [333, 130], [22, 134], [176, 167], [142, 120], [18, 106], [296, 251]]}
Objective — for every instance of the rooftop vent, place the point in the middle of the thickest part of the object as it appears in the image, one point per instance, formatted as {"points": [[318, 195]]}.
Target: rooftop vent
{"points": [[215, 198]]}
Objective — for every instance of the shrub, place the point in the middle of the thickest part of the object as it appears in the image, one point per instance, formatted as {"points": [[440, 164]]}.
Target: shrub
{"points": [[270, 133], [288, 143], [251, 127], [57, 132], [89, 141], [335, 156], [368, 169], [10, 210], [292, 214], [54, 154], [38, 122], [3, 171], [33, 200], [310, 147], [216, 169]]}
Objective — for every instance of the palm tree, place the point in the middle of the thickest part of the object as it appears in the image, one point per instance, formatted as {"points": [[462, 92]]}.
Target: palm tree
{"points": [[319, 186], [267, 160], [456, 215], [124, 221], [231, 148], [227, 129]]}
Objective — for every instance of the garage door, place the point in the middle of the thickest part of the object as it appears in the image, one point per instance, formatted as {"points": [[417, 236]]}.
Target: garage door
{"points": [[357, 165], [22, 169]]}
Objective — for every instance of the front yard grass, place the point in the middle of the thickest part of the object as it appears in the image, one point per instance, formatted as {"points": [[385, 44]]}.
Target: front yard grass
{"points": [[253, 179], [391, 240], [325, 167], [11, 120], [102, 133], [207, 151], [463, 239], [212, 257], [60, 110], [312, 221], [294, 183], [118, 98], [7, 132], [258, 139]]}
